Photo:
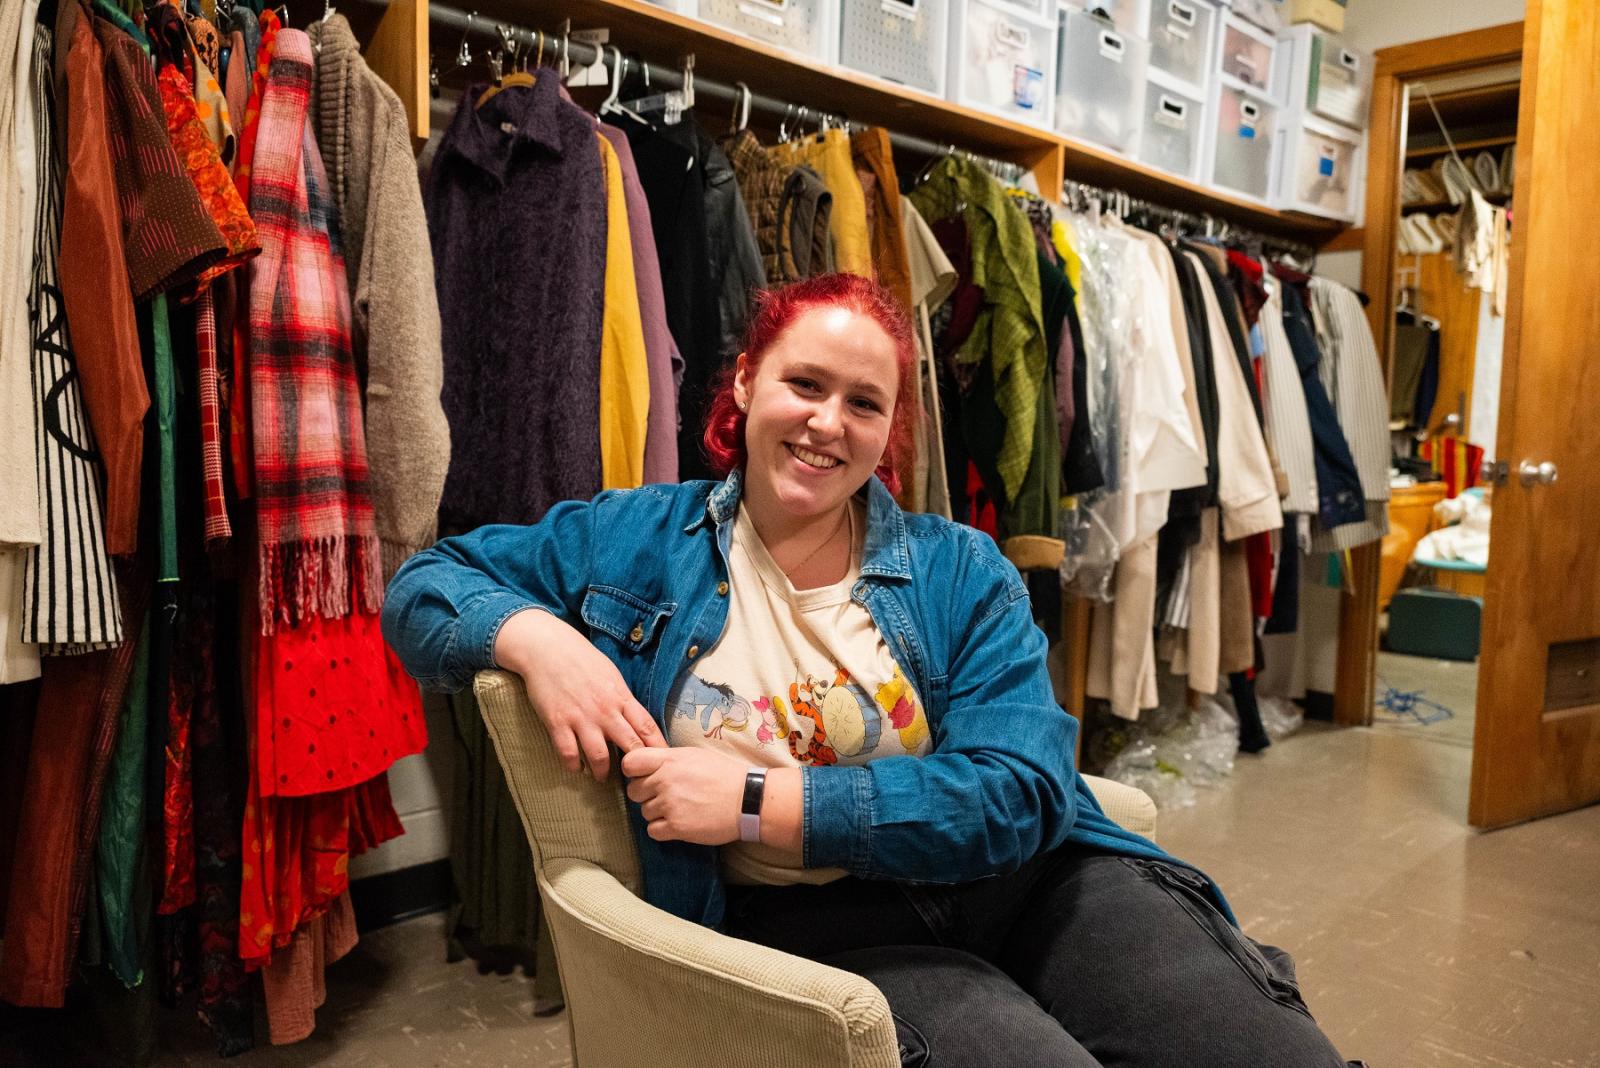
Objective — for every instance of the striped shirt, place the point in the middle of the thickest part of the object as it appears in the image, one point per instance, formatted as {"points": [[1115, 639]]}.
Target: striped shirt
{"points": [[69, 595]]}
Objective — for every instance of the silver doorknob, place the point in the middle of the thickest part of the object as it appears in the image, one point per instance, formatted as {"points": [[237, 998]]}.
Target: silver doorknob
{"points": [[1532, 474]]}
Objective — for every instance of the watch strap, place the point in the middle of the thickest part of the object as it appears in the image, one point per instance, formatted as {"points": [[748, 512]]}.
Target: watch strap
{"points": [[755, 788]]}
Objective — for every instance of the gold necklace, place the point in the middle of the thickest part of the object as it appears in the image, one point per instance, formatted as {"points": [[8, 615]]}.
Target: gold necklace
{"points": [[788, 572]]}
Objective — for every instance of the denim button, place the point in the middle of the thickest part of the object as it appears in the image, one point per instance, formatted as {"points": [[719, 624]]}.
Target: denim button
{"points": [[694, 651], [722, 589]]}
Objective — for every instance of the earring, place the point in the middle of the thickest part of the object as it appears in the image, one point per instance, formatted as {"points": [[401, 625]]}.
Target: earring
{"points": [[741, 406]]}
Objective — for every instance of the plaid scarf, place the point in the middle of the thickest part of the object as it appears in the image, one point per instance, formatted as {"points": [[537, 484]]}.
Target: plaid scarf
{"points": [[319, 551]]}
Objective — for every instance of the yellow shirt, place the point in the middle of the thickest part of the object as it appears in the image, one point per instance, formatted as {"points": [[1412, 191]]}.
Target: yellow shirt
{"points": [[624, 373], [847, 226]]}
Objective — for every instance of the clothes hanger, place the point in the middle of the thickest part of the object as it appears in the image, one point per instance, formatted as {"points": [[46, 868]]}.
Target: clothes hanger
{"points": [[523, 78], [328, 11], [610, 105], [741, 109]]}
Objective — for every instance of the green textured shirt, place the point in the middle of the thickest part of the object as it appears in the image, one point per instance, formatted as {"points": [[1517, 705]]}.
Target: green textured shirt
{"points": [[1009, 332]]}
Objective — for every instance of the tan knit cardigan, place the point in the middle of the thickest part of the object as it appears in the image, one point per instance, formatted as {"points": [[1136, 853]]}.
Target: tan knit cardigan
{"points": [[366, 148]]}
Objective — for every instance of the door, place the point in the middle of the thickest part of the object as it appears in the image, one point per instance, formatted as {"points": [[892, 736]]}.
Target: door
{"points": [[1536, 750]]}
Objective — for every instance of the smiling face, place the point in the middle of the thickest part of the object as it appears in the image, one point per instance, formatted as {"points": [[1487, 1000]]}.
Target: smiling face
{"points": [[819, 409]]}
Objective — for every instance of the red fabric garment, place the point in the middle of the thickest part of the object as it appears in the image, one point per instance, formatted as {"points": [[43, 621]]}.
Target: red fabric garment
{"points": [[1258, 554], [316, 534], [983, 516], [1246, 276], [203, 163], [297, 854], [74, 731], [335, 708], [244, 162], [1458, 461], [177, 796], [214, 495], [94, 289]]}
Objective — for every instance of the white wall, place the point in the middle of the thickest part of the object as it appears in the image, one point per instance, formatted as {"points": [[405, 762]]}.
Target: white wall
{"points": [[1375, 24]]}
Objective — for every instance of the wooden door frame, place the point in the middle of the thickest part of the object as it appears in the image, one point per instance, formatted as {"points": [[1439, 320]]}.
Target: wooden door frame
{"points": [[1394, 68]]}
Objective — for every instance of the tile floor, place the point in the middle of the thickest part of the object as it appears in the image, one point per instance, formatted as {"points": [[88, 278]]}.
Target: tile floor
{"points": [[1452, 684], [1420, 942]]}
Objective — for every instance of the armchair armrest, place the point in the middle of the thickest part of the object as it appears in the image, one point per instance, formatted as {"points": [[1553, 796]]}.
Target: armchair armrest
{"points": [[680, 994]]}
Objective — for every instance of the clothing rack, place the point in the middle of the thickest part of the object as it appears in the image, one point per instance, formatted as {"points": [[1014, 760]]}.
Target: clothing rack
{"points": [[1080, 196], [564, 49]]}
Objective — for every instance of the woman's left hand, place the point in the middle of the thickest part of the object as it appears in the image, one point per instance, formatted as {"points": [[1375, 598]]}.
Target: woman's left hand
{"points": [[687, 794]]}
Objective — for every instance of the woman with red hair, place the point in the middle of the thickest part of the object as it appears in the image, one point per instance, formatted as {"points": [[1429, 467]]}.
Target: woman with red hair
{"points": [[838, 731]]}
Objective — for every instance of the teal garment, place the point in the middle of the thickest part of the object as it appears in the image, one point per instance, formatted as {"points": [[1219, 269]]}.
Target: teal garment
{"points": [[121, 20], [165, 403], [1009, 332], [117, 853]]}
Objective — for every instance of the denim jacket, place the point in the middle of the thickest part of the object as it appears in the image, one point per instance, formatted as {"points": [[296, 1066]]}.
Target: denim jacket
{"points": [[640, 571]]}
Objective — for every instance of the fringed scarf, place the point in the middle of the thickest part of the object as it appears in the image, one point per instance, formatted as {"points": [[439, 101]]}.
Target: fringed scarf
{"points": [[319, 552]]}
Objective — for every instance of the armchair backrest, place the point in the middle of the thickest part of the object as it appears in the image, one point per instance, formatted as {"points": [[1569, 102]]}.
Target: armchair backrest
{"points": [[565, 816]]}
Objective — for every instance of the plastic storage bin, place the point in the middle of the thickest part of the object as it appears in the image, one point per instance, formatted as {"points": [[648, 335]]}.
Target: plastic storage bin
{"points": [[903, 41], [803, 26], [1002, 60], [1180, 35], [1245, 135], [1129, 16], [1036, 8], [1249, 55], [1322, 170], [1330, 79], [1172, 135], [1100, 78]]}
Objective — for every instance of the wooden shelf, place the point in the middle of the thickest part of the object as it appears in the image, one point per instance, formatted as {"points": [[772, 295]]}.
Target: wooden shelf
{"points": [[1445, 205], [1466, 107], [1462, 147], [727, 57]]}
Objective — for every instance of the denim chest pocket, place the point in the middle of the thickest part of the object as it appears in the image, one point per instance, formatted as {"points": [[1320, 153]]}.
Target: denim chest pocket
{"points": [[632, 622]]}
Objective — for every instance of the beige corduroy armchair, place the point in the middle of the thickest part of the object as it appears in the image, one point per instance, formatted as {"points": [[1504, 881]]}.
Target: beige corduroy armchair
{"points": [[645, 989]]}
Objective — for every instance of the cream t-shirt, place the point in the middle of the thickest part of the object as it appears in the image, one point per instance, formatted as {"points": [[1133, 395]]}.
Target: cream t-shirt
{"points": [[799, 677]]}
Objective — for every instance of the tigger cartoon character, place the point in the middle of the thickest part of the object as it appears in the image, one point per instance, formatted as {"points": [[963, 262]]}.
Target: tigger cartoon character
{"points": [[804, 708]]}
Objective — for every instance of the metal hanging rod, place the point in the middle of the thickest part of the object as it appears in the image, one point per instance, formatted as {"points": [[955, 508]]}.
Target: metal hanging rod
{"points": [[563, 48], [1077, 193]]}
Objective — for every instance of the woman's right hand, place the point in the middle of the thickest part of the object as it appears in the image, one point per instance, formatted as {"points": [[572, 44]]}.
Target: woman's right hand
{"points": [[576, 690]]}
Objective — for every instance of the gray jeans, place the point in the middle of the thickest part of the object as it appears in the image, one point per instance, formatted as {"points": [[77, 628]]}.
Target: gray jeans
{"points": [[1079, 958]]}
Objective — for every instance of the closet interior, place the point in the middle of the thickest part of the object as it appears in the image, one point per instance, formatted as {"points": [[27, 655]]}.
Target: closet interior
{"points": [[522, 239], [1452, 266]]}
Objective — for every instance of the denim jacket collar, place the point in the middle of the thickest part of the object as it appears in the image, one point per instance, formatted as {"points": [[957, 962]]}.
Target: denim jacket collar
{"points": [[885, 555]]}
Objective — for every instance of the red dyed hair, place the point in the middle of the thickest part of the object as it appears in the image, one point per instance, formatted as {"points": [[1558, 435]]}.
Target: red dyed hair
{"points": [[775, 310]]}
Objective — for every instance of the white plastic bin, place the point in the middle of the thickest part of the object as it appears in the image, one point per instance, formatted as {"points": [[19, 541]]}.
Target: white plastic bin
{"points": [[1322, 170], [1100, 79], [1037, 8], [1181, 34], [1248, 55], [1129, 16], [1172, 136], [802, 26], [1330, 79], [1244, 136], [902, 41], [1002, 60]]}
